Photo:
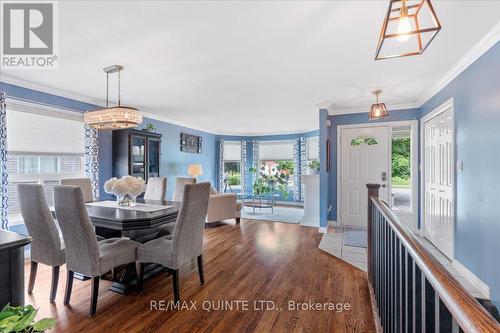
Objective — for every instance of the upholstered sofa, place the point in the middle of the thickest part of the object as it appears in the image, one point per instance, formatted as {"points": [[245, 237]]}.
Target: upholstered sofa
{"points": [[222, 206]]}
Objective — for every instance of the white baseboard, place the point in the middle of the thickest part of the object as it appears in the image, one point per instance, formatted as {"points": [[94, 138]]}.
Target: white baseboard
{"points": [[473, 279], [323, 230]]}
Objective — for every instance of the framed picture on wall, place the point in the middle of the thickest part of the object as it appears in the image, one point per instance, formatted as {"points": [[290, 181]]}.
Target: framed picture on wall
{"points": [[191, 143]]}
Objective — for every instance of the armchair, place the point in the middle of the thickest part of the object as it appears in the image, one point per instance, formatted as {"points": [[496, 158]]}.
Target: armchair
{"points": [[222, 206]]}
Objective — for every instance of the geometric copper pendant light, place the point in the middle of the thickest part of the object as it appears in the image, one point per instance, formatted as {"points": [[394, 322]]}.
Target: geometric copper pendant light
{"points": [[378, 110], [409, 27]]}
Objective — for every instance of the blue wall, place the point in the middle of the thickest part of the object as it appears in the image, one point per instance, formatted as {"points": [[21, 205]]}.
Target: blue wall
{"points": [[476, 95], [349, 119], [174, 163]]}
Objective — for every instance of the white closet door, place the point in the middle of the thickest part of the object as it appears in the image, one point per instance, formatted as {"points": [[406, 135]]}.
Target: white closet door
{"points": [[439, 173]]}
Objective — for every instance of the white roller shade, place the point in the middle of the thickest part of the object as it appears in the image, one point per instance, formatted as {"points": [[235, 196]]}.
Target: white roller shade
{"points": [[313, 148], [31, 132], [232, 150], [275, 150]]}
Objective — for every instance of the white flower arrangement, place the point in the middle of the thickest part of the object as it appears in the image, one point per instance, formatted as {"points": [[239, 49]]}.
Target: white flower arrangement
{"points": [[126, 185]]}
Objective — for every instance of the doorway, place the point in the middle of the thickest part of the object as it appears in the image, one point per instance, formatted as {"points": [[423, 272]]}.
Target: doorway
{"points": [[361, 163], [364, 159], [438, 178]]}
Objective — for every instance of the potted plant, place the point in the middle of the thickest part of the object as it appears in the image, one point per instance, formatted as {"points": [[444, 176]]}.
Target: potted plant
{"points": [[149, 128], [22, 319], [313, 167]]}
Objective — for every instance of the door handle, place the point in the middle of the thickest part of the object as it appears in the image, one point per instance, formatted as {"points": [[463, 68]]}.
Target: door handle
{"points": [[384, 186]]}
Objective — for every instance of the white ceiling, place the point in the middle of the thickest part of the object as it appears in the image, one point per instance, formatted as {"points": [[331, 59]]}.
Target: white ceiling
{"points": [[250, 67]]}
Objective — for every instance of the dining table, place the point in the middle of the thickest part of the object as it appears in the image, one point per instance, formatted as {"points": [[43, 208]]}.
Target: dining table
{"points": [[135, 223]]}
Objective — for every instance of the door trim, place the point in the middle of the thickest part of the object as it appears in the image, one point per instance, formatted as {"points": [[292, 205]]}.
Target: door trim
{"points": [[448, 104], [414, 124]]}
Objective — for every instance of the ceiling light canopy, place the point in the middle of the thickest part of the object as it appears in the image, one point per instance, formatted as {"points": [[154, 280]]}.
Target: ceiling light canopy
{"points": [[378, 110], [411, 23], [115, 117]]}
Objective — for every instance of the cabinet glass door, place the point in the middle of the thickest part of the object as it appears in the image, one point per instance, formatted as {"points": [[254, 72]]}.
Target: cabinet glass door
{"points": [[153, 157], [138, 156]]}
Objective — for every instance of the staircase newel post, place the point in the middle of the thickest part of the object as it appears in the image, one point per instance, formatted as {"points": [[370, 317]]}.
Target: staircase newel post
{"points": [[373, 191]]}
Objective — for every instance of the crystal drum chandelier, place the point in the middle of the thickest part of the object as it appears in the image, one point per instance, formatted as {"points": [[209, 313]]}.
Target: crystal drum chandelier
{"points": [[115, 117], [408, 29]]}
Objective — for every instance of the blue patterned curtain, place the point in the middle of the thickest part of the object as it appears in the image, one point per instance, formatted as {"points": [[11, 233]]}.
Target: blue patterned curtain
{"points": [[255, 154], [303, 163], [296, 171], [3, 161], [221, 166], [243, 168], [92, 158]]}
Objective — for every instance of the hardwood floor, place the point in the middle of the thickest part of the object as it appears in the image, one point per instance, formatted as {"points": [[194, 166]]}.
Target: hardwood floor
{"points": [[251, 261]]}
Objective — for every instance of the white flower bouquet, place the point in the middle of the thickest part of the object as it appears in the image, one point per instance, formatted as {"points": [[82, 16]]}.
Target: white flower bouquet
{"points": [[126, 189]]}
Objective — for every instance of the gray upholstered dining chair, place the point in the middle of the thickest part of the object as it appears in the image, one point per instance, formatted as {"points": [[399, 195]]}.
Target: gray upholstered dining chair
{"points": [[156, 188], [179, 187], [47, 247], [84, 183], [185, 244], [84, 254]]}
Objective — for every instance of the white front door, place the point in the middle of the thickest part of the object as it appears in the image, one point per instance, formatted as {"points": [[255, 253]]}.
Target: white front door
{"points": [[438, 176], [364, 159]]}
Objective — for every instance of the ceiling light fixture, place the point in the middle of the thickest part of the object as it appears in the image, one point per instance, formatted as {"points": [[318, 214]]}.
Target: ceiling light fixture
{"points": [[115, 117], [378, 110], [403, 20]]}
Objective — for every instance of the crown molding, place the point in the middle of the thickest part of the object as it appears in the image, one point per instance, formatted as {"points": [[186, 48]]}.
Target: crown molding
{"points": [[483, 45], [50, 90], [148, 113], [391, 108]]}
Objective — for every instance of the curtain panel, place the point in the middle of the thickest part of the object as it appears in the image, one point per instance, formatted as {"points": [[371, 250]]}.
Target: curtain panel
{"points": [[243, 168], [303, 163], [221, 173], [3, 161], [296, 171], [92, 158]]}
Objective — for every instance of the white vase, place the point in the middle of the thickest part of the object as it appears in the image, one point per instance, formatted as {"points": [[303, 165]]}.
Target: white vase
{"points": [[125, 200]]}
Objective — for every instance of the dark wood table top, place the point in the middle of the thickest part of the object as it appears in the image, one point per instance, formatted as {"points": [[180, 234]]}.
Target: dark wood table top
{"points": [[10, 240], [124, 219]]}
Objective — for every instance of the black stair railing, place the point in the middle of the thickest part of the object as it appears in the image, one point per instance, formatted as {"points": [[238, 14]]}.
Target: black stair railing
{"points": [[412, 290]]}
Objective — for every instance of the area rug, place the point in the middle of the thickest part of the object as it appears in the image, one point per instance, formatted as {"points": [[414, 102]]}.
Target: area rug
{"points": [[355, 237], [280, 214]]}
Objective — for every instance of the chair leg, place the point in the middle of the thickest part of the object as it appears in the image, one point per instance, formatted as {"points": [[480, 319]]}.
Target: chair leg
{"points": [[69, 287], [55, 281], [139, 271], [237, 219], [94, 295], [200, 269], [31, 284], [175, 282]]}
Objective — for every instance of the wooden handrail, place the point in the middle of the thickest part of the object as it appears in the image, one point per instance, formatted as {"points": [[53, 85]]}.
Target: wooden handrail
{"points": [[467, 312]]}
